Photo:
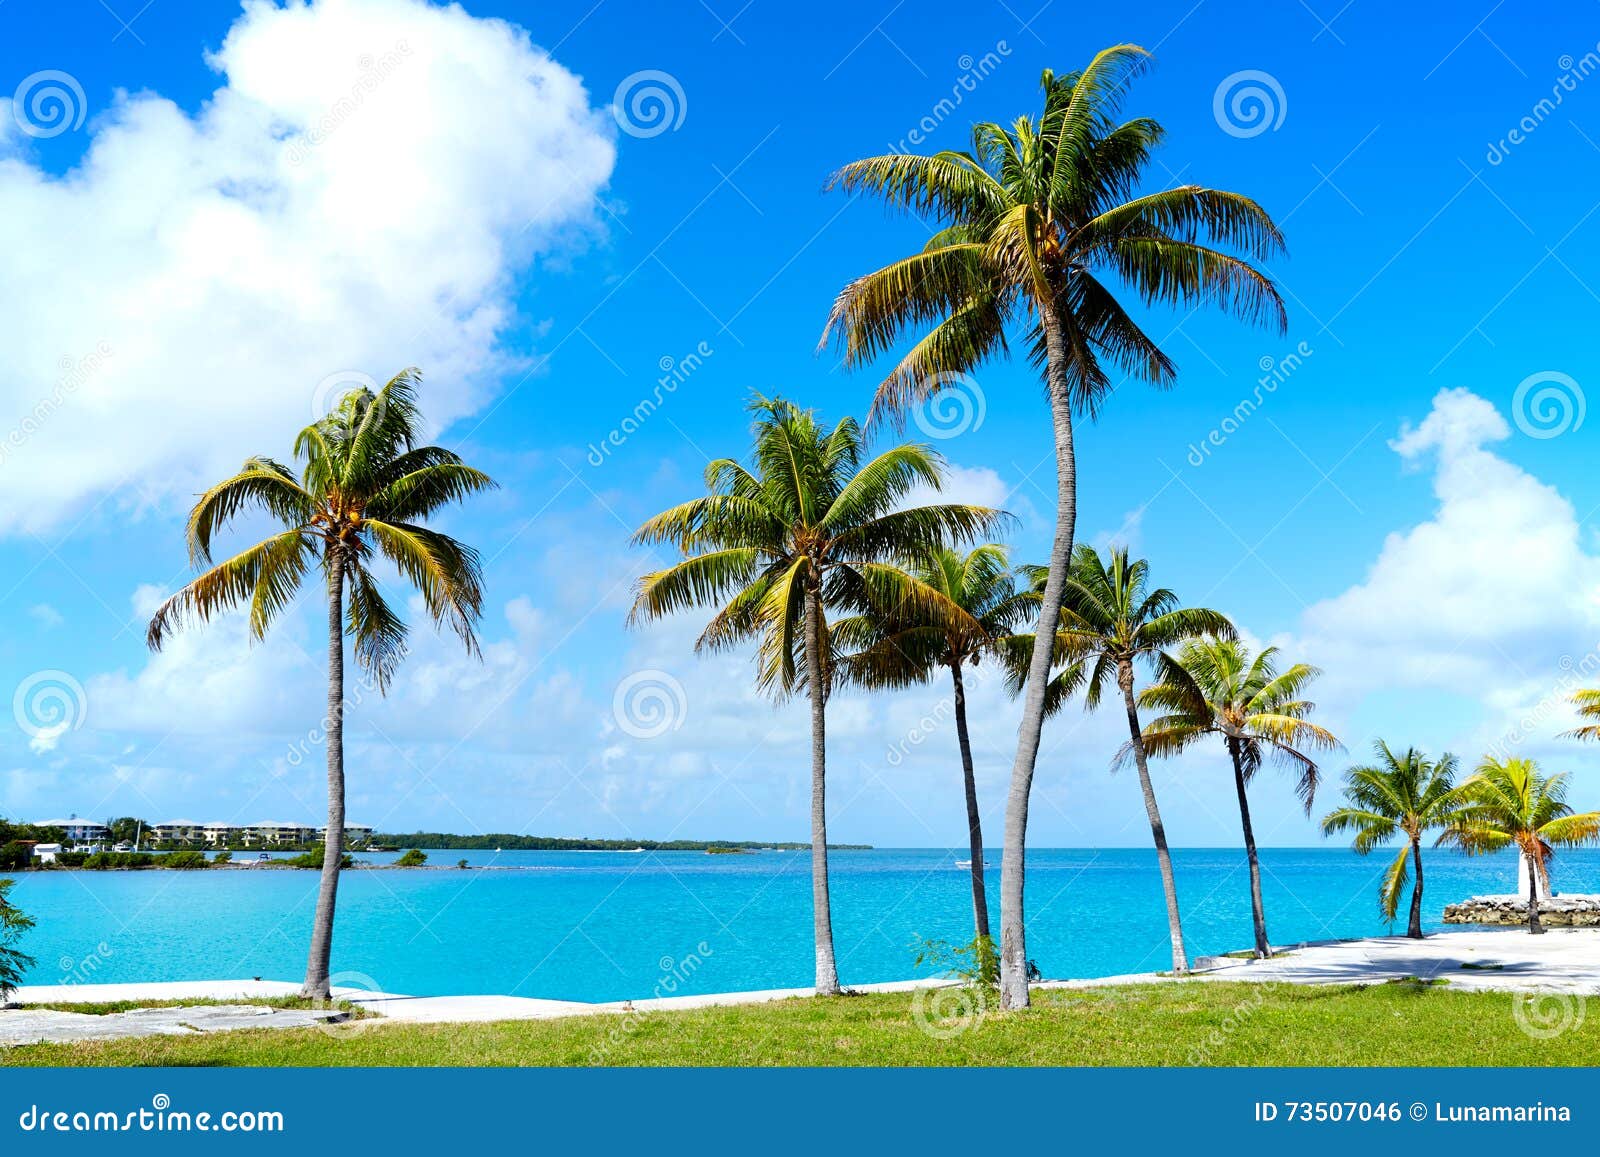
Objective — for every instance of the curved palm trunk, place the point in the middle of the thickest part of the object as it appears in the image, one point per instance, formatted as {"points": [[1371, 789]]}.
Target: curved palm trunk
{"points": [[1158, 831], [1414, 928], [1258, 912], [1013, 946], [821, 916], [980, 900], [1534, 925], [316, 985]]}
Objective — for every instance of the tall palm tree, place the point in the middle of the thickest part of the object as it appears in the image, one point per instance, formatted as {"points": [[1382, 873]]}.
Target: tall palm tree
{"points": [[1111, 621], [365, 488], [809, 527], [1406, 795], [1037, 225], [1508, 802], [1215, 687], [901, 649]]}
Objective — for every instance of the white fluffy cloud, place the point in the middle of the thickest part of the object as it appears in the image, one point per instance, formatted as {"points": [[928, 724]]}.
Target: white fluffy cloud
{"points": [[353, 198], [1494, 598]]}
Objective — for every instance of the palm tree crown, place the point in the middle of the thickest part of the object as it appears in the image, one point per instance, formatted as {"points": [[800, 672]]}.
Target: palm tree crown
{"points": [[364, 488], [810, 516], [1215, 687], [1404, 794], [1034, 219], [1587, 702], [1510, 803]]}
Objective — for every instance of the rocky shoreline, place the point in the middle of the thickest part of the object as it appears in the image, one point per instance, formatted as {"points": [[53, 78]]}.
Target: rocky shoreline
{"points": [[1556, 911]]}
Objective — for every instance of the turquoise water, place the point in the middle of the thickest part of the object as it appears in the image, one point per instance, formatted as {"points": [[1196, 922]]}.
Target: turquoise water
{"points": [[612, 925]]}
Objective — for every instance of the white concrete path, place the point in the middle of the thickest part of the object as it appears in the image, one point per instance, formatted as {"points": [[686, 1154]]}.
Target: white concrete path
{"points": [[1562, 960]]}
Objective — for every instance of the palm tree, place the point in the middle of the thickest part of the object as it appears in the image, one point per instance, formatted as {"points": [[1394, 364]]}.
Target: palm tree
{"points": [[1509, 802], [1110, 621], [365, 487], [901, 650], [1215, 687], [809, 527], [1588, 704], [1036, 225], [13, 923], [1408, 795]]}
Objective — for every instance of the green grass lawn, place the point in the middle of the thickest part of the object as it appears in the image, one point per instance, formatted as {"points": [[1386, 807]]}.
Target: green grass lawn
{"points": [[1157, 1024]]}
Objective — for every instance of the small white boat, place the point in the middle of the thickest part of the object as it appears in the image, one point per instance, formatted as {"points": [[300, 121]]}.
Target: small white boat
{"points": [[968, 864]]}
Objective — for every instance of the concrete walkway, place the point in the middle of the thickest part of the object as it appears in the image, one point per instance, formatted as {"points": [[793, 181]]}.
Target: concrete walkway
{"points": [[1562, 960]]}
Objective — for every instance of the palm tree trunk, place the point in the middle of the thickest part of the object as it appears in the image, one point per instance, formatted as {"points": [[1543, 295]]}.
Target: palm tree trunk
{"points": [[1013, 945], [816, 684], [316, 985], [1414, 929], [1258, 912], [1534, 926], [980, 901], [1169, 884]]}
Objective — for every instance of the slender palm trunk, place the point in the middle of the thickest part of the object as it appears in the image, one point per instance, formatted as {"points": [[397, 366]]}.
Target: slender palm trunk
{"points": [[980, 901], [1013, 944], [1534, 925], [1169, 884], [816, 684], [316, 985], [1414, 928], [1258, 912]]}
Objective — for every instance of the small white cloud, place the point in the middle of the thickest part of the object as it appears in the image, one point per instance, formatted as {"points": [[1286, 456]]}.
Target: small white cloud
{"points": [[45, 615]]}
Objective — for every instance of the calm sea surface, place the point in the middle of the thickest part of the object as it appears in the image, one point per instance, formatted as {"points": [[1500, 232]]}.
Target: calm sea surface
{"points": [[611, 925]]}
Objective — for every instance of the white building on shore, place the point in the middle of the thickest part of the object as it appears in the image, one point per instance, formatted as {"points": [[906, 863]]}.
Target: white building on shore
{"points": [[78, 831]]}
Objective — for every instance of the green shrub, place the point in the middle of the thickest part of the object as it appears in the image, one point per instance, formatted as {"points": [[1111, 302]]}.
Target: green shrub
{"points": [[222, 857], [415, 858], [185, 861], [312, 858], [71, 859], [13, 923], [15, 856]]}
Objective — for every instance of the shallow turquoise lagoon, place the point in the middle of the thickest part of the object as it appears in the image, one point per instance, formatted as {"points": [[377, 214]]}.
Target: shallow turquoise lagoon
{"points": [[615, 925]]}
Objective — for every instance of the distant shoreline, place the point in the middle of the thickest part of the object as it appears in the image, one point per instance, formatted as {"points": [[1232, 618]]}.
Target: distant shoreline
{"points": [[505, 842]]}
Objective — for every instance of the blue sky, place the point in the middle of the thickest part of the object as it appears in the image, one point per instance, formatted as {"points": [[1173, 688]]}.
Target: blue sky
{"points": [[461, 203]]}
